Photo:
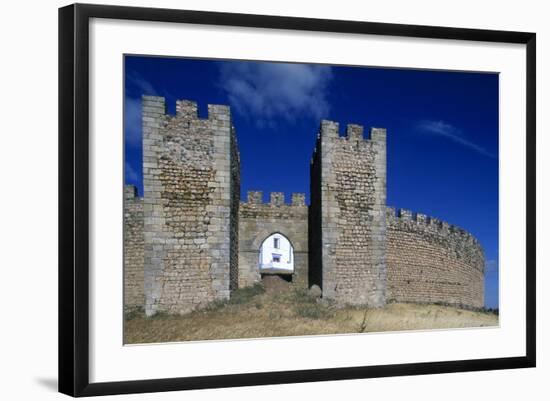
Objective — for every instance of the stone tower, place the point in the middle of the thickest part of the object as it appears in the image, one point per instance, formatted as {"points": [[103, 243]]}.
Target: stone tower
{"points": [[347, 227], [190, 206]]}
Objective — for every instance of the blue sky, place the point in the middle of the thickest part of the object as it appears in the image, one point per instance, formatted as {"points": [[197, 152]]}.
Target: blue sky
{"points": [[442, 130]]}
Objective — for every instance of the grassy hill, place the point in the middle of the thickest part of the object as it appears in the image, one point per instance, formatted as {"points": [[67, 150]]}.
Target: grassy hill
{"points": [[283, 310]]}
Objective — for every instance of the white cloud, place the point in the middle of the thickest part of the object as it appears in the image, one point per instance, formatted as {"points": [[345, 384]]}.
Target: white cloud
{"points": [[452, 133], [132, 120], [132, 105], [264, 91], [130, 173], [491, 266], [138, 87], [143, 86]]}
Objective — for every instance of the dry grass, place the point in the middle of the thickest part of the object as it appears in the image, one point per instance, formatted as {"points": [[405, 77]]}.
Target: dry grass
{"points": [[253, 313]]}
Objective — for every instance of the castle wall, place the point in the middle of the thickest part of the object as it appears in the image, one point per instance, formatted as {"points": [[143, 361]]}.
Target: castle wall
{"points": [[191, 241], [429, 261], [188, 203], [348, 214], [258, 220], [134, 296], [235, 193]]}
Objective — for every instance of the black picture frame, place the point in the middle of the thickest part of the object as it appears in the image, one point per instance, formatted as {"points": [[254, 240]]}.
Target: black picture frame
{"points": [[74, 198]]}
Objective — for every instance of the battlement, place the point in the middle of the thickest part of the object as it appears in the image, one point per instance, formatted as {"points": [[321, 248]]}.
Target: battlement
{"points": [[298, 199], [329, 129], [275, 199], [255, 197], [186, 110], [406, 218], [378, 135], [354, 132], [329, 132], [130, 192]]}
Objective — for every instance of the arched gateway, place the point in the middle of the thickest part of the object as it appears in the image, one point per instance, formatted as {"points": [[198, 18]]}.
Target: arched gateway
{"points": [[273, 238], [276, 255]]}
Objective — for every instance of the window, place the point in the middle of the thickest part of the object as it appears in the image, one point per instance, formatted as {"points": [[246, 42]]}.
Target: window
{"points": [[276, 258], [276, 243]]}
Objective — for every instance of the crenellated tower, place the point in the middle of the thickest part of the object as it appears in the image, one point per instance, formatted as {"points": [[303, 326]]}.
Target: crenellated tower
{"points": [[347, 227], [190, 206]]}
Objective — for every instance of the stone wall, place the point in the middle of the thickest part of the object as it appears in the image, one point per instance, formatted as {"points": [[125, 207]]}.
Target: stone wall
{"points": [[191, 241], [235, 189], [188, 169], [134, 297], [430, 261], [258, 220], [348, 214]]}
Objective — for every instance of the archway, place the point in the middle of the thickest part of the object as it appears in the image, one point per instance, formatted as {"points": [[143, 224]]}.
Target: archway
{"points": [[276, 255]]}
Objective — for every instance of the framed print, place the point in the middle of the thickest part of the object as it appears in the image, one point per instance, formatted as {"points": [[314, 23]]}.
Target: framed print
{"points": [[251, 199]]}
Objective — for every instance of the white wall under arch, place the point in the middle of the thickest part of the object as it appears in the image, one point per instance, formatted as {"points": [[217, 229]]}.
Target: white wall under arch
{"points": [[276, 257]]}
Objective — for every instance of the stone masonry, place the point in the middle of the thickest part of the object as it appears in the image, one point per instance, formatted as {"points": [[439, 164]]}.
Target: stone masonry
{"points": [[349, 201], [134, 297], [258, 220], [190, 240], [189, 200], [430, 261]]}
